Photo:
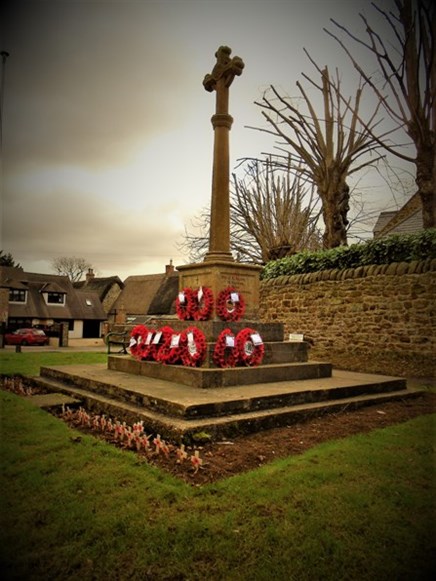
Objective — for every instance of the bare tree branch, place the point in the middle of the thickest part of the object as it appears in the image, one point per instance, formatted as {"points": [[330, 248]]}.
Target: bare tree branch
{"points": [[408, 93]]}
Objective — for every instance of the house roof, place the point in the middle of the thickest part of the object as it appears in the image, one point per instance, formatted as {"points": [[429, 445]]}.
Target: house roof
{"points": [[76, 305], [152, 294], [382, 220], [101, 286], [406, 220]]}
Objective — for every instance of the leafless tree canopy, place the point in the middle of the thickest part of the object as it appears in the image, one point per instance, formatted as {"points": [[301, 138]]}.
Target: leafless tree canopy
{"points": [[273, 213], [70, 266], [408, 88], [332, 144]]}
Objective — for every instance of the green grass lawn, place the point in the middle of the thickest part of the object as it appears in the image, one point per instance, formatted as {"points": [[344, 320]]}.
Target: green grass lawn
{"points": [[78, 508], [28, 363], [360, 508]]}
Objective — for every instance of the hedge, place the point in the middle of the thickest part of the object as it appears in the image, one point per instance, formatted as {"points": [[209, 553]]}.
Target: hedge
{"points": [[394, 248]]}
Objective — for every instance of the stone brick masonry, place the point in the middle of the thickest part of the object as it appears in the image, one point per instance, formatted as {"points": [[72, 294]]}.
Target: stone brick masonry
{"points": [[372, 318]]}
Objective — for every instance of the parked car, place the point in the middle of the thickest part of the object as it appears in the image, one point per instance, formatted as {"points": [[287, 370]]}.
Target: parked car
{"points": [[27, 337]]}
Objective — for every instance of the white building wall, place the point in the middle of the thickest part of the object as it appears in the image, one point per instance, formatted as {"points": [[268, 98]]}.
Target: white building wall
{"points": [[77, 333]]}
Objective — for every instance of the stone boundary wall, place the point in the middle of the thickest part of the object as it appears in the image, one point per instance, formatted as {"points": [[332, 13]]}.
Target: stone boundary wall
{"points": [[379, 319]]}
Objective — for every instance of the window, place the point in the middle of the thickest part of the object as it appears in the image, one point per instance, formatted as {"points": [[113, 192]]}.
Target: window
{"points": [[17, 296], [55, 298]]}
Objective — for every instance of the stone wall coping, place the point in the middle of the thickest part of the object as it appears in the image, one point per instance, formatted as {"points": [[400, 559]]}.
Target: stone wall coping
{"points": [[393, 269]]}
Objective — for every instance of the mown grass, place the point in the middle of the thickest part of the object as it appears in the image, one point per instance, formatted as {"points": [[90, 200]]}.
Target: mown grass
{"points": [[28, 363], [360, 508]]}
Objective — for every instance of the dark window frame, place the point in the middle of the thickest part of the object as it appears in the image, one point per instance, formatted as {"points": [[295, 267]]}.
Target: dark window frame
{"points": [[17, 295]]}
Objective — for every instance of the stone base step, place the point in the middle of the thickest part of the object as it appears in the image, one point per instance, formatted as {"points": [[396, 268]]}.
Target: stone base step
{"points": [[52, 401], [203, 377], [178, 411], [213, 327]]}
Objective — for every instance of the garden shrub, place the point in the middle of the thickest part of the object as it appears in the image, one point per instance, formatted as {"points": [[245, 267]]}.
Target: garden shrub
{"points": [[394, 248]]}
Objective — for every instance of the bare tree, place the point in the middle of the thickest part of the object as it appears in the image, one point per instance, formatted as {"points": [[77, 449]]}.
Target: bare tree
{"points": [[276, 208], [70, 266], [332, 146], [273, 213], [408, 88]]}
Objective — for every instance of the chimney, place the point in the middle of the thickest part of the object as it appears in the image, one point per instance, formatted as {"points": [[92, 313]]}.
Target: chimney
{"points": [[90, 275], [169, 268]]}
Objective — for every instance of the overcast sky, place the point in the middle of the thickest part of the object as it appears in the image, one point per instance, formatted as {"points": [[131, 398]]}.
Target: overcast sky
{"points": [[107, 140]]}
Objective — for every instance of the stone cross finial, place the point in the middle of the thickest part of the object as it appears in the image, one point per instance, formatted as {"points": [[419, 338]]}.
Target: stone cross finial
{"points": [[225, 68]]}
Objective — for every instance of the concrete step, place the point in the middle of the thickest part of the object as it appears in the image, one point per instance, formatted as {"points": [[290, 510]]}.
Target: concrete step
{"points": [[176, 410], [206, 378]]}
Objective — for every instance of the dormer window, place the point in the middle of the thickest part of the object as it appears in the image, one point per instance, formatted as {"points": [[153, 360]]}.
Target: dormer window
{"points": [[17, 295], [55, 298]]}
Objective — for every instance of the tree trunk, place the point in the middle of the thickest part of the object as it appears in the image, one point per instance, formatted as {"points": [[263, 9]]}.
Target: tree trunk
{"points": [[335, 207], [426, 182]]}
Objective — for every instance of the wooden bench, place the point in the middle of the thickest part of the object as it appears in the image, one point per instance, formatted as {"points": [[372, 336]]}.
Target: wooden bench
{"points": [[118, 338]]}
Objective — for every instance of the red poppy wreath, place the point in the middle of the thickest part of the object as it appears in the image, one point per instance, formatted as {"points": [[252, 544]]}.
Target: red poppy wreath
{"points": [[147, 348], [193, 343], [225, 354], [249, 347], [162, 341], [137, 337], [184, 303], [230, 305], [202, 303]]}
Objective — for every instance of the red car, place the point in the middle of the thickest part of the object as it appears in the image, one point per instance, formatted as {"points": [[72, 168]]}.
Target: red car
{"points": [[27, 337]]}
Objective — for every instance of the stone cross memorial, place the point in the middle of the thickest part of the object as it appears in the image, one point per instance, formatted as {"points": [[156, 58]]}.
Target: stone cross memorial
{"points": [[219, 270], [222, 76]]}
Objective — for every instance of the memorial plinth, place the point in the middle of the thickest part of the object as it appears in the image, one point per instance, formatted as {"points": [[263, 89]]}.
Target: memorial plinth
{"points": [[220, 274]]}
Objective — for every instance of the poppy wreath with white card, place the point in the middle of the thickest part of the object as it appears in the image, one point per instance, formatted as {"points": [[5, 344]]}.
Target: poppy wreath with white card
{"points": [[137, 337], [249, 347], [225, 354], [162, 341], [148, 349], [193, 347], [202, 303], [230, 305], [184, 304]]}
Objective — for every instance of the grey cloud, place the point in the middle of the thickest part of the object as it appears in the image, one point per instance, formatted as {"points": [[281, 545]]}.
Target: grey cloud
{"points": [[100, 82], [42, 227]]}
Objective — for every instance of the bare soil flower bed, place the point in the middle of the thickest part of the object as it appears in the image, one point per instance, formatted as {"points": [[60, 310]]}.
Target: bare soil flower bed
{"points": [[223, 459]]}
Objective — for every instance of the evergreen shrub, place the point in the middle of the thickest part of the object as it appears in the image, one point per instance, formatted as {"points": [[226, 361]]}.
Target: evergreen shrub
{"points": [[394, 248]]}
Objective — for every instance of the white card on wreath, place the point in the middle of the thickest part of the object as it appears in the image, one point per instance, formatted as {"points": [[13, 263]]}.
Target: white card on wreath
{"points": [[200, 294], [234, 297], [256, 338], [175, 340], [132, 341], [157, 337], [230, 341], [181, 298], [148, 339], [190, 338]]}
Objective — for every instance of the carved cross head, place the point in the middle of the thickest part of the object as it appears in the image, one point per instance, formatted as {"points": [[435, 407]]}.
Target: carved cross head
{"points": [[226, 68]]}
